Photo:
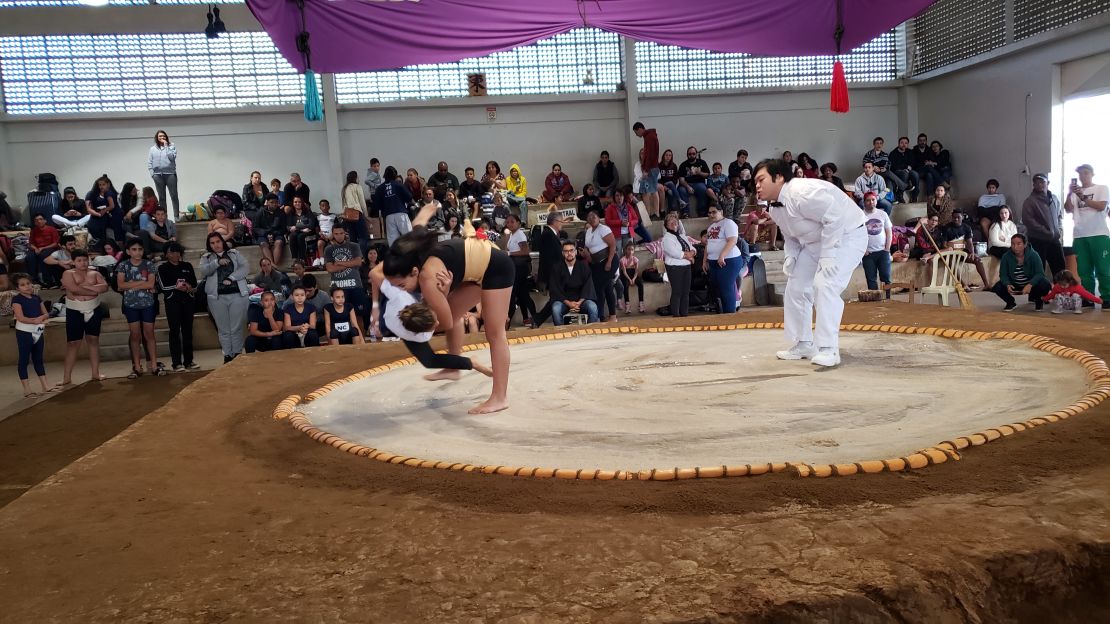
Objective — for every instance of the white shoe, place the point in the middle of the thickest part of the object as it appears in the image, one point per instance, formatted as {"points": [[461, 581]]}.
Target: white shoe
{"points": [[317, 263], [826, 357], [800, 351]]}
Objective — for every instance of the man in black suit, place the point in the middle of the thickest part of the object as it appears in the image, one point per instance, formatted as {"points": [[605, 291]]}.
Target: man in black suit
{"points": [[550, 247], [571, 287]]}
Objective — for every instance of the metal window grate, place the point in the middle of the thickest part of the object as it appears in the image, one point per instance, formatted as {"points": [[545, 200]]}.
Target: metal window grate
{"points": [[672, 68], [953, 30], [586, 60], [142, 72], [59, 3], [1032, 17]]}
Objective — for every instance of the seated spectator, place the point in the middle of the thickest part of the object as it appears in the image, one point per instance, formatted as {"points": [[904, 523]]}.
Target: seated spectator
{"points": [[1068, 294], [317, 297], [414, 183], [628, 276], [222, 225], [442, 181], [272, 280], [740, 164], [589, 202], [302, 228], [1021, 272], [43, 241], [1001, 232], [989, 205], [936, 166], [557, 186], [71, 212], [427, 197], [493, 178], [325, 224], [606, 177], [761, 229], [60, 260], [340, 320], [500, 213], [828, 174], [254, 195], [901, 165], [451, 208], [264, 325], [158, 232], [470, 189], [129, 204], [871, 182], [716, 183], [959, 236], [692, 176], [276, 190], [516, 191], [928, 239], [639, 228], [297, 278], [571, 288], [453, 229], [296, 188], [881, 161], [880, 234], [668, 179], [269, 229], [299, 324], [734, 196], [940, 204]]}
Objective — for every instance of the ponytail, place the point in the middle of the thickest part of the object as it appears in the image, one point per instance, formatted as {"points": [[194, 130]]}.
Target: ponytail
{"points": [[409, 251]]}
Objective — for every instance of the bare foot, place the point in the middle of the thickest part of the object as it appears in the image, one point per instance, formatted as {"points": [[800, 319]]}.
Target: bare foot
{"points": [[490, 406], [447, 373], [482, 368]]}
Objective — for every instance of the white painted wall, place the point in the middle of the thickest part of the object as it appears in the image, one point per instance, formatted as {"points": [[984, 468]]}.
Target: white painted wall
{"points": [[980, 114]]}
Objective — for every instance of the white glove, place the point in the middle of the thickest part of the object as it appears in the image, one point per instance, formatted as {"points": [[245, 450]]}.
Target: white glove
{"points": [[788, 265], [826, 267]]}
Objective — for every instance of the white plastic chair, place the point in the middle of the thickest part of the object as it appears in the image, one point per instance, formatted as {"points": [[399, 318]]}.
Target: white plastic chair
{"points": [[941, 282]]}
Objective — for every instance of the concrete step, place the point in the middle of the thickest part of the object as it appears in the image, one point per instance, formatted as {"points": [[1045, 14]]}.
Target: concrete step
{"points": [[121, 338], [123, 352]]}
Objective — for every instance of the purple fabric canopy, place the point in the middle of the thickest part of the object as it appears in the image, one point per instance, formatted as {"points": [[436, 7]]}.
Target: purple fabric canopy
{"points": [[370, 35]]}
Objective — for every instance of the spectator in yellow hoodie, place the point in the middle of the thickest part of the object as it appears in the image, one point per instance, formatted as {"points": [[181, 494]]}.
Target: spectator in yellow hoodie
{"points": [[516, 187]]}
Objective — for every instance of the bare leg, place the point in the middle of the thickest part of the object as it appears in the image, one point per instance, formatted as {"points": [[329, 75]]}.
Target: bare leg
{"points": [[135, 340], [461, 300], [277, 252], [482, 368], [495, 311], [151, 345], [266, 253], [982, 272], [774, 229], [71, 359], [661, 197], [94, 356]]}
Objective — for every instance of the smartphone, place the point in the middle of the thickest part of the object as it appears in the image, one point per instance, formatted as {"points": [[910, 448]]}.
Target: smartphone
{"points": [[1075, 181], [180, 282]]}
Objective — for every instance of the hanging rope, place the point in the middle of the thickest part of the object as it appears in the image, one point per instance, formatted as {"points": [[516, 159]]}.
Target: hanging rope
{"points": [[838, 94], [313, 105]]}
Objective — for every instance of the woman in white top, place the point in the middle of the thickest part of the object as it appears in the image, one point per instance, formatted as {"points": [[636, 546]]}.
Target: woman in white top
{"points": [[602, 250], [354, 201], [678, 256], [722, 257], [1001, 232], [521, 255]]}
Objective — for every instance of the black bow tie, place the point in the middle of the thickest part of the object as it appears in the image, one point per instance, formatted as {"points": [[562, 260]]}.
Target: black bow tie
{"points": [[776, 204]]}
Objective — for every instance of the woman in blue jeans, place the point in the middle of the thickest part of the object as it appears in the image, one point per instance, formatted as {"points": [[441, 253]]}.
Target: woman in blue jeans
{"points": [[723, 259]]}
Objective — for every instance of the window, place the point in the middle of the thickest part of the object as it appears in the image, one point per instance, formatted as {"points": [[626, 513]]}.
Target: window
{"points": [[141, 72], [47, 3], [672, 68], [586, 60], [1032, 17], [953, 30]]}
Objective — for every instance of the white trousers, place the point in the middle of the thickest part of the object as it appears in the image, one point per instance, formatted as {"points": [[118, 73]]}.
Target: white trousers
{"points": [[68, 223], [805, 288]]}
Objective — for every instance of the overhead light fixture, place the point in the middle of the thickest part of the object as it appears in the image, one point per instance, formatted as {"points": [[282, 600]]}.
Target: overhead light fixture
{"points": [[219, 24], [215, 24], [95, 3]]}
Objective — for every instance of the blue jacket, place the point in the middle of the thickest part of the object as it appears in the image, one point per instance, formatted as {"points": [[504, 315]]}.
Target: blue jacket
{"points": [[392, 198]]}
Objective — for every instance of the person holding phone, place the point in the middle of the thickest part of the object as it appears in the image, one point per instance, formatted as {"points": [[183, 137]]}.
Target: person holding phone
{"points": [[178, 283], [1086, 202]]}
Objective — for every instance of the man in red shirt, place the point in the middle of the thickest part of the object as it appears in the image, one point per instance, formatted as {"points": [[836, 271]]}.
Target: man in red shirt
{"points": [[649, 164], [44, 241]]}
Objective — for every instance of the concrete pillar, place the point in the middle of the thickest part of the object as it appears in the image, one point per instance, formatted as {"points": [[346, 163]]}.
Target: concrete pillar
{"points": [[331, 126], [7, 183], [907, 113], [631, 104]]}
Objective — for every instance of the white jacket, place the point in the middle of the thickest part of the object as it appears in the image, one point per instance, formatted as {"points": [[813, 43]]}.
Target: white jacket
{"points": [[1001, 233], [813, 212]]}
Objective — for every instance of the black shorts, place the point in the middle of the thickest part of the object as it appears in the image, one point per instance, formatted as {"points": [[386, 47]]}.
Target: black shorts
{"points": [[989, 212], [501, 273], [77, 327]]}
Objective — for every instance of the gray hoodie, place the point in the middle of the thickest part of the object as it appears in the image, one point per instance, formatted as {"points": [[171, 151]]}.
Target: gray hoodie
{"points": [[162, 159]]}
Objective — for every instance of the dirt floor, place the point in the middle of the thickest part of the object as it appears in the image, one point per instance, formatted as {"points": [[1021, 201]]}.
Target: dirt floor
{"points": [[207, 510]]}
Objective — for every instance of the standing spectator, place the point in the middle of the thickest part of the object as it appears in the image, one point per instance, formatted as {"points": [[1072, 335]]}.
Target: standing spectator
{"points": [[551, 245], [1021, 272], [881, 161], [30, 325], [940, 205], [264, 324], [678, 257], [43, 241], [300, 323], [649, 164], [901, 165], [520, 254], [302, 229], [341, 324], [354, 208], [1043, 220], [135, 278], [442, 181], [374, 177], [601, 250], [1086, 202], [723, 258], [557, 186], [162, 165], [392, 199], [71, 213], [1001, 232], [225, 284], [83, 286], [161, 231], [296, 188], [871, 182], [269, 229], [102, 204], [254, 196], [178, 282], [343, 259], [606, 177], [761, 229], [470, 189], [692, 174], [880, 232], [572, 288], [271, 279], [920, 152], [629, 276], [989, 204]]}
